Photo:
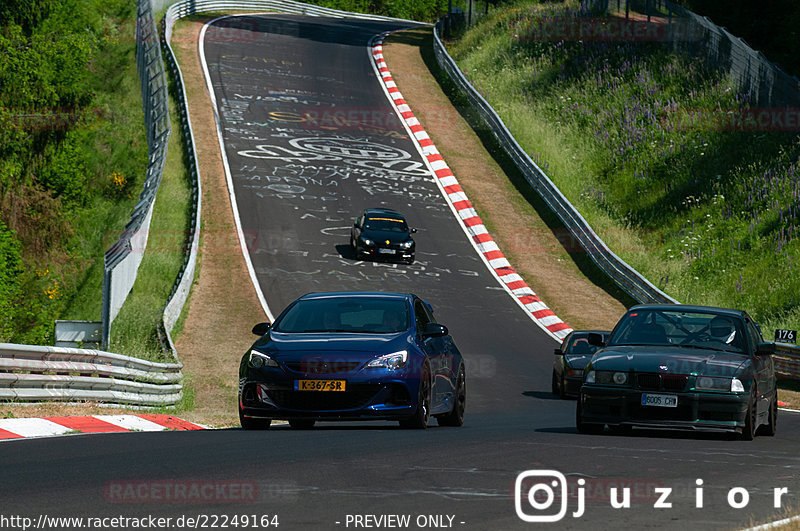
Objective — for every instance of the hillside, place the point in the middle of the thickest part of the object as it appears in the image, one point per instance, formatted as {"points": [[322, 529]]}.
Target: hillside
{"points": [[72, 153], [637, 138]]}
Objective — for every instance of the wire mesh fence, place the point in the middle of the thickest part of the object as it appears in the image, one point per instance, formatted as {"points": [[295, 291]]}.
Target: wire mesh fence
{"points": [[121, 263], [687, 32]]}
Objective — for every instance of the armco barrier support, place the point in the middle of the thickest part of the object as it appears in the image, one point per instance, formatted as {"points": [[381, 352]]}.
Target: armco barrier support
{"points": [[41, 373]]}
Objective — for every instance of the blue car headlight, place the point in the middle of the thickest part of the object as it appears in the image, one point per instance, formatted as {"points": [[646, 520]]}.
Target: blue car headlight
{"points": [[407, 245], [368, 242], [393, 361], [259, 359]]}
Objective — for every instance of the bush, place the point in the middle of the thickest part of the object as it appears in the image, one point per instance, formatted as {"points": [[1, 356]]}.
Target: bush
{"points": [[66, 173], [10, 275]]}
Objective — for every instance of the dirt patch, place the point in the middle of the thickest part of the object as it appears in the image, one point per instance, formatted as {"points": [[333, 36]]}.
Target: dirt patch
{"points": [[789, 393], [537, 246], [223, 305]]}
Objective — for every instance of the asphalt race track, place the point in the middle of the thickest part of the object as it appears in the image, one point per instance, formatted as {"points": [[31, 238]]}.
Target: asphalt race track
{"points": [[300, 177]]}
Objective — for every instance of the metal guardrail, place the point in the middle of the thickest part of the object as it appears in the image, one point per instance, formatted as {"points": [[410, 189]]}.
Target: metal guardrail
{"points": [[42, 373], [122, 260], [624, 275], [787, 360], [183, 283], [191, 7]]}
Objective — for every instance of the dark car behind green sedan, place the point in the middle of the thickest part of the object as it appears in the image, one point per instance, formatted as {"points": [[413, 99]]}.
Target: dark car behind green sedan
{"points": [[682, 367], [571, 357]]}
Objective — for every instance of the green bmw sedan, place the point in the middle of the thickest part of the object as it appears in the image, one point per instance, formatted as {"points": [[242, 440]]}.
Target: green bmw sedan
{"points": [[681, 367]]}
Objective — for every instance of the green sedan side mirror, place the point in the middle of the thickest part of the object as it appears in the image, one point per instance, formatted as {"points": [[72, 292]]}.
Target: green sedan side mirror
{"points": [[557, 352], [596, 339], [765, 349]]}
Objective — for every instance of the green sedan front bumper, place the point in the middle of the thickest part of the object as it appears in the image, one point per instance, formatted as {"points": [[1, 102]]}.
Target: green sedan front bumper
{"points": [[695, 410]]}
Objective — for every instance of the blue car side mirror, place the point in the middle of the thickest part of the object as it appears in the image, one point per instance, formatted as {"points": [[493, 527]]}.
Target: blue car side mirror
{"points": [[261, 328], [434, 330]]}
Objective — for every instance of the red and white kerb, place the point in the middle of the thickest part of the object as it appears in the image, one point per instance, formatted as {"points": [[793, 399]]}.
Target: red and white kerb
{"points": [[469, 219]]}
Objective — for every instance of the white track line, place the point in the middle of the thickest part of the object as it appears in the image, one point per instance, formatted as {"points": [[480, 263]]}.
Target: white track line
{"points": [[228, 177], [773, 525]]}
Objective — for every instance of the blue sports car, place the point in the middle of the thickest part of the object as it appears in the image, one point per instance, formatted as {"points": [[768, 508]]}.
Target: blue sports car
{"points": [[352, 356]]}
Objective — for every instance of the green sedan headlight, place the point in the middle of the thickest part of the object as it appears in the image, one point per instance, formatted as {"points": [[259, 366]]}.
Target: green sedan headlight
{"points": [[407, 244], [620, 378], [590, 377], [713, 384], [737, 386], [609, 377], [368, 242]]}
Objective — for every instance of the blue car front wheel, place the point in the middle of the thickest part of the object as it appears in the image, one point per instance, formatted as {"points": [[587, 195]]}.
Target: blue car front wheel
{"points": [[423, 413], [456, 416]]}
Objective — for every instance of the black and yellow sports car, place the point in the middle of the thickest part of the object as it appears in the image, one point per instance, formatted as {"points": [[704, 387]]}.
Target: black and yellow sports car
{"points": [[684, 367], [382, 233]]}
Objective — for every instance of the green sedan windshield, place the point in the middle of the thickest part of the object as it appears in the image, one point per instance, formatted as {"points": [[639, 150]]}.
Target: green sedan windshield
{"points": [[689, 329]]}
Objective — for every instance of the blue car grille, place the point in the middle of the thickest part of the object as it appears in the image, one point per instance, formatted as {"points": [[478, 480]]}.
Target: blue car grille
{"points": [[356, 396], [322, 367]]}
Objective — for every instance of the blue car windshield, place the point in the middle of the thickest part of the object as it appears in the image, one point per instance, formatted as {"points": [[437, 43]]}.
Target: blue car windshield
{"points": [[357, 315], [386, 224], [702, 330]]}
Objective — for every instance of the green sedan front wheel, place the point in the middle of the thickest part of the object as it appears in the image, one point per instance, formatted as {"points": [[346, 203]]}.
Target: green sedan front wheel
{"points": [[588, 428], [749, 429], [771, 427]]}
